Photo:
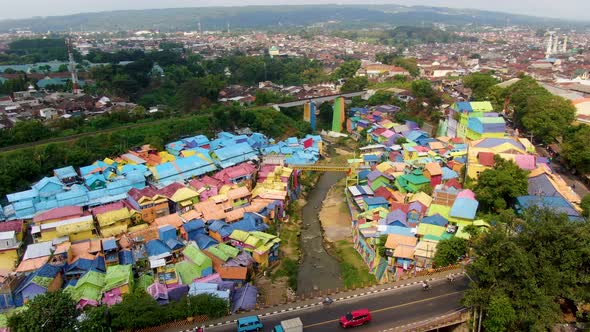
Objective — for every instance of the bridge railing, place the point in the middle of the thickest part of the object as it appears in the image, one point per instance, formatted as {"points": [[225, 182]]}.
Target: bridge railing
{"points": [[449, 319]]}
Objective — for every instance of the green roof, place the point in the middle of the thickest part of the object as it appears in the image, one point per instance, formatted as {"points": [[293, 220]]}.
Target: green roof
{"points": [[239, 235], [187, 272], [488, 119], [429, 229], [481, 106], [117, 276], [415, 179], [218, 253], [228, 250], [443, 210], [42, 281], [195, 255]]}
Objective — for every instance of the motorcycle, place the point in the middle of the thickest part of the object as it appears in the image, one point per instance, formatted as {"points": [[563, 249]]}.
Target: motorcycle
{"points": [[327, 301]]}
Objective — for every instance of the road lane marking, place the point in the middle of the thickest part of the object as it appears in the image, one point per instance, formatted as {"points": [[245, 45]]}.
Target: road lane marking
{"points": [[388, 308]]}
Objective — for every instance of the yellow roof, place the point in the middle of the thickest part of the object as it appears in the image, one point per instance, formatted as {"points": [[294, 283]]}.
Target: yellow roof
{"points": [[113, 230], [166, 157], [74, 228], [188, 153], [137, 228], [426, 248], [111, 217], [384, 167], [422, 197], [184, 194], [108, 161]]}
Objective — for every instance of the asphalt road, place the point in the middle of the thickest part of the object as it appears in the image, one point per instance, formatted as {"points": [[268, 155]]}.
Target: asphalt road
{"points": [[389, 308]]}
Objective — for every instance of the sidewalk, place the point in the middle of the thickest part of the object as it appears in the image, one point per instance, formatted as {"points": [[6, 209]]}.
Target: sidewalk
{"points": [[311, 301]]}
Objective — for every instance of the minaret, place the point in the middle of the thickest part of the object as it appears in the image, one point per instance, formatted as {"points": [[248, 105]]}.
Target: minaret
{"points": [[564, 47], [549, 43], [555, 44]]}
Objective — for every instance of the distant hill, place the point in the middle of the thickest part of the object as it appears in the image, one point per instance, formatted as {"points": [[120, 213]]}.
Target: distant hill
{"points": [[272, 17]]}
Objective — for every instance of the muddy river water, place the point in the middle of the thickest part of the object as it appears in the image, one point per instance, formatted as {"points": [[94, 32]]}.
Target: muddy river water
{"points": [[317, 270]]}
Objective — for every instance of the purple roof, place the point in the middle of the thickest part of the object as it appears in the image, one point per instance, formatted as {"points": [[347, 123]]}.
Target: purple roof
{"points": [[412, 125], [397, 215], [177, 292], [375, 174], [492, 142], [541, 185], [415, 205], [245, 298]]}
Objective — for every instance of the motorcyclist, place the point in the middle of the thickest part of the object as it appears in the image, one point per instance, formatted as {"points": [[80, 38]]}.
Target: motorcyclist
{"points": [[425, 285], [451, 277], [328, 300]]}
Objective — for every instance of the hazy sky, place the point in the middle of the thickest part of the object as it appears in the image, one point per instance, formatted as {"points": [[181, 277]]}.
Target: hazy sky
{"points": [[569, 9]]}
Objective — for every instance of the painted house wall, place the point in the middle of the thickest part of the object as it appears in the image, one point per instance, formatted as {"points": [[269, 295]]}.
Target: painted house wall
{"points": [[8, 259]]}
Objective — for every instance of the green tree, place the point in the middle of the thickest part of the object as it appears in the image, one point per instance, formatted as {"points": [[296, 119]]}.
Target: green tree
{"points": [[354, 84], [348, 69], [547, 117], [585, 205], [422, 89], [63, 68], [137, 310], [479, 83], [448, 251], [53, 311], [380, 98], [541, 260], [575, 148], [499, 315], [497, 187]]}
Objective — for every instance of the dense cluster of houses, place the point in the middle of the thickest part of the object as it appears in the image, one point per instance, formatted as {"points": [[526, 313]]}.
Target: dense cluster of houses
{"points": [[191, 219], [409, 195]]}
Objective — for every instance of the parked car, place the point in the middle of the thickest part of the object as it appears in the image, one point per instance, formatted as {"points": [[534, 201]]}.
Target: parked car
{"points": [[355, 318], [289, 325], [250, 323]]}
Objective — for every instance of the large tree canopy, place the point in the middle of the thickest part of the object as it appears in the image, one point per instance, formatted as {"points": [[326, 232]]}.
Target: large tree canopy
{"points": [[54, 311], [547, 117], [576, 148], [542, 258], [448, 251], [479, 83], [497, 187]]}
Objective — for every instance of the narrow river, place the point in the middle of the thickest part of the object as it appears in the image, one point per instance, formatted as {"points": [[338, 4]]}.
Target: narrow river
{"points": [[318, 270]]}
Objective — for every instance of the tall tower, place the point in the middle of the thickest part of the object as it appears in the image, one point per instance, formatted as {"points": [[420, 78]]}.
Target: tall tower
{"points": [[200, 31], [564, 47], [555, 44], [72, 65], [549, 44], [228, 31]]}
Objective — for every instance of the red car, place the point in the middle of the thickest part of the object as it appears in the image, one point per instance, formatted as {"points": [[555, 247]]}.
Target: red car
{"points": [[355, 318]]}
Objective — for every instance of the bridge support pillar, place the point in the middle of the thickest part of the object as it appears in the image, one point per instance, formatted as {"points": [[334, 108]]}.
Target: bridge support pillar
{"points": [[309, 114], [338, 115]]}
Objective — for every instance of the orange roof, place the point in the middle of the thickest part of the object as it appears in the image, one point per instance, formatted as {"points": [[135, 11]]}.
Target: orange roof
{"points": [[32, 264], [173, 220], [234, 215], [227, 272], [210, 210], [395, 240], [62, 248], [402, 251], [433, 168], [238, 193], [147, 234], [190, 215], [95, 245]]}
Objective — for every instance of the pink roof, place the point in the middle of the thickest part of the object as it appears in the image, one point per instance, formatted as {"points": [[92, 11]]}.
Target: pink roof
{"points": [[107, 208], [66, 212], [526, 162], [13, 225], [234, 172], [137, 194], [387, 134], [112, 297], [466, 194]]}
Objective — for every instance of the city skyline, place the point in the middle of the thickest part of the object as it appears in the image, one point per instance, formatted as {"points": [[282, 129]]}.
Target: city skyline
{"points": [[568, 9]]}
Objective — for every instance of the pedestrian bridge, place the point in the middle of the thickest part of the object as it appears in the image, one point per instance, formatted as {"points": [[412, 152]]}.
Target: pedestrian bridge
{"points": [[318, 100]]}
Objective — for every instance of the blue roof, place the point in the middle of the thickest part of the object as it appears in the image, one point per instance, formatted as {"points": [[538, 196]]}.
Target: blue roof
{"points": [[22, 195], [126, 257], [183, 168], [65, 172], [194, 225], [399, 230], [249, 224], [91, 178], [370, 157], [463, 106], [555, 203], [109, 244], [234, 154], [435, 219], [48, 186], [221, 227], [464, 208], [542, 186], [448, 174], [493, 142], [375, 200], [166, 233], [156, 248], [174, 244], [98, 264], [204, 241]]}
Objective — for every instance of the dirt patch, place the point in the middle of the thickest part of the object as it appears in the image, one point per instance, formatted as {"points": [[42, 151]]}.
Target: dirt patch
{"points": [[334, 215], [273, 291]]}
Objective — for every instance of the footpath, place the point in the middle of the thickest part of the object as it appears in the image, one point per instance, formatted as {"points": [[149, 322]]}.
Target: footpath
{"points": [[310, 300]]}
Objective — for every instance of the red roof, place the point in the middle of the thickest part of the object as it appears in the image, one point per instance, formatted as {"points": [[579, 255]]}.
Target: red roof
{"points": [[383, 192], [137, 194], [379, 131], [401, 206], [486, 158], [454, 183], [13, 225], [171, 189], [66, 212]]}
